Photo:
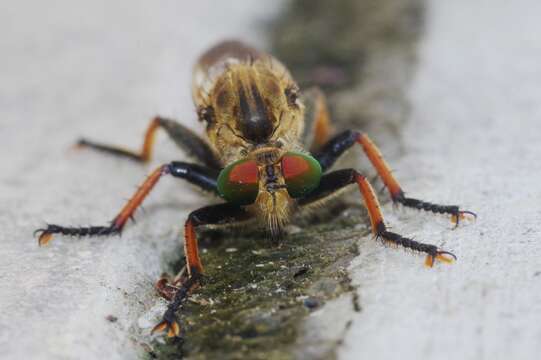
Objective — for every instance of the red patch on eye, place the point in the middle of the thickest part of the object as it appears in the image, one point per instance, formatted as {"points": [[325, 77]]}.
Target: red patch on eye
{"points": [[244, 173], [293, 166]]}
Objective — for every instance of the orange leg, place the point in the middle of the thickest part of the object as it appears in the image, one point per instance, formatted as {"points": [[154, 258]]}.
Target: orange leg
{"points": [[397, 194], [191, 249], [379, 229], [322, 125], [129, 209], [143, 155], [118, 222], [209, 215], [196, 174], [377, 160], [337, 180], [340, 143], [318, 129], [169, 322]]}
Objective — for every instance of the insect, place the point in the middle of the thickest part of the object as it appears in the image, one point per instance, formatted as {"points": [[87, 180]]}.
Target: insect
{"points": [[256, 159]]}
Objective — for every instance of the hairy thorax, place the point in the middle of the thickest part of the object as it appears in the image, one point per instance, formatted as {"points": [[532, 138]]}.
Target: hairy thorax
{"points": [[248, 100]]}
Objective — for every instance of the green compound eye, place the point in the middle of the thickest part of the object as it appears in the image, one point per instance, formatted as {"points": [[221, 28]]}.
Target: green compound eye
{"points": [[238, 184], [302, 173]]}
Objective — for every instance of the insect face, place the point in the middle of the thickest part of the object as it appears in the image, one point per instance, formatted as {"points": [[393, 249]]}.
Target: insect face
{"points": [[241, 181], [268, 183]]}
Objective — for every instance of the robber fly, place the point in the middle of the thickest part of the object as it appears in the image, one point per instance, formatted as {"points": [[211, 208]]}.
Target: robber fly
{"points": [[256, 159]]}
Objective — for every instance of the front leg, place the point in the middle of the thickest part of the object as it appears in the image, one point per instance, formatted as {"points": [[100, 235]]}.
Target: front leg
{"points": [[198, 175], [335, 181], [221, 214], [345, 140]]}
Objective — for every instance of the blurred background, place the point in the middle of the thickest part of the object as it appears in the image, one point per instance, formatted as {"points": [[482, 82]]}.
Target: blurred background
{"points": [[449, 90]]}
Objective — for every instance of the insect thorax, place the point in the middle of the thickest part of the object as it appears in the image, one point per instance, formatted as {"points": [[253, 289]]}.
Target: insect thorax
{"points": [[247, 100]]}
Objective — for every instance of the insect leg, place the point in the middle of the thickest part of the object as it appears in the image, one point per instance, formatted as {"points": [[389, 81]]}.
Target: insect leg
{"points": [[337, 180], [221, 214], [318, 126], [198, 175], [342, 142], [186, 139]]}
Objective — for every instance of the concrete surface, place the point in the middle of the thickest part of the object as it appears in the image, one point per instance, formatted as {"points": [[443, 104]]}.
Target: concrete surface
{"points": [[103, 69], [100, 69], [473, 139]]}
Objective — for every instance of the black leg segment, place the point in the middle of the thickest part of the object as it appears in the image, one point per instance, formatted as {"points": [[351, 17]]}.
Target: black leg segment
{"points": [[198, 175], [190, 142], [201, 176], [452, 210], [329, 184], [333, 182], [185, 138], [220, 214], [332, 150], [345, 140]]}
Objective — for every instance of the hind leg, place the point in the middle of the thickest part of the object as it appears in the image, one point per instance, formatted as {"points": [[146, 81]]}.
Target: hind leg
{"points": [[186, 139]]}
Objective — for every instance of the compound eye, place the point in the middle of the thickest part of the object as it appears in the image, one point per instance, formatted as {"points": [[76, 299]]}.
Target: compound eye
{"points": [[302, 173], [238, 183]]}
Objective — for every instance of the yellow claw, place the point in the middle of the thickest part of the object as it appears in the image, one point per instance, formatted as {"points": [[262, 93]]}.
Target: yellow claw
{"points": [[443, 256], [159, 328], [173, 329], [429, 261], [463, 215], [44, 238]]}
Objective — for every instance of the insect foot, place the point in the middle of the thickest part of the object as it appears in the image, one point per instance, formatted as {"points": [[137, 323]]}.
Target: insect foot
{"points": [[432, 251], [453, 210], [443, 256], [46, 235], [463, 215], [169, 323]]}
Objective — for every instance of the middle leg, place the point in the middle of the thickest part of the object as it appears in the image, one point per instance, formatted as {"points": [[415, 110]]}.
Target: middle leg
{"points": [[333, 182]]}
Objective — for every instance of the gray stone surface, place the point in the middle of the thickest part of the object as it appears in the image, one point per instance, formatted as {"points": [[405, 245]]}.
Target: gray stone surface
{"points": [[100, 69], [473, 139]]}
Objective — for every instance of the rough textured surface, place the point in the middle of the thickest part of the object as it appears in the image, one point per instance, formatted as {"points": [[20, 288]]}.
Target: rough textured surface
{"points": [[361, 52], [102, 70], [256, 295], [473, 139]]}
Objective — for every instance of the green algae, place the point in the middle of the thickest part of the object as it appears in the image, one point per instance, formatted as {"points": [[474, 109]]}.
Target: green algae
{"points": [[256, 294], [362, 53]]}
